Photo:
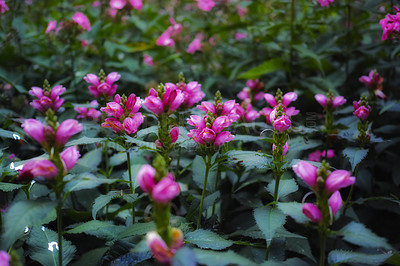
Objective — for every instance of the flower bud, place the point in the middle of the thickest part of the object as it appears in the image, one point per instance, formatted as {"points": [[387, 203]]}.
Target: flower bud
{"points": [[223, 137], [38, 168], [282, 123], [362, 112], [335, 202], [339, 179], [307, 172], [165, 190], [146, 179], [35, 129], [69, 158], [312, 212], [160, 250], [66, 130]]}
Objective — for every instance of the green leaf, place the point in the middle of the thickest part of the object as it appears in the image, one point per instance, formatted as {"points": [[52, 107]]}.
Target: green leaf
{"points": [[106, 230], [7, 187], [294, 210], [88, 163], [299, 245], [141, 143], [207, 240], [92, 257], [355, 155], [43, 247], [337, 257], [184, 257], [9, 134], [86, 181], [286, 186], [23, 214], [358, 234], [288, 262], [102, 200], [84, 140], [305, 52], [269, 220], [269, 66], [199, 169], [137, 229], [394, 259], [249, 159], [214, 258]]}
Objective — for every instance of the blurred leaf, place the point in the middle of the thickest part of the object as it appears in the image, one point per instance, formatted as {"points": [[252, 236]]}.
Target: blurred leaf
{"points": [[337, 257], [355, 155], [136, 229], [305, 52], [286, 186], [43, 247], [269, 66], [294, 210], [106, 230], [288, 262], [214, 258], [269, 220], [184, 257], [7, 187], [92, 257], [23, 214], [199, 169], [89, 162], [394, 259], [86, 181], [207, 240], [249, 159], [300, 246], [84, 140], [9, 134], [102, 200], [358, 234]]}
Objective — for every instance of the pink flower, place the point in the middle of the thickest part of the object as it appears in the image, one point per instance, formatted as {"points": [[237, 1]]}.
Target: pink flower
{"points": [[316, 155], [247, 115], [102, 88], [307, 172], [373, 80], [165, 190], [136, 4], [227, 108], [165, 38], [117, 4], [160, 250], [192, 93], [131, 124], [285, 148], [35, 130], [327, 102], [80, 19], [240, 35], [4, 256], [362, 112], [173, 98], [113, 109], [47, 99], [38, 168], [339, 179], [69, 157], [390, 24], [194, 46], [3, 7], [312, 212], [146, 179], [281, 123], [96, 4], [51, 26], [174, 133], [153, 103], [335, 202], [241, 10], [133, 104], [148, 60], [205, 5], [325, 2], [66, 130], [222, 138], [114, 124]]}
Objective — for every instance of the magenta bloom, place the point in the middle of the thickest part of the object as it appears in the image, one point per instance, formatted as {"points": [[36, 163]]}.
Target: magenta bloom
{"points": [[240, 35], [241, 10], [172, 99], [117, 4], [4, 256], [194, 46], [146, 179], [131, 124], [325, 2], [3, 7], [80, 19], [102, 88], [165, 38], [88, 113], [114, 124], [307, 172], [327, 102], [69, 157], [205, 5], [159, 248], [47, 99], [335, 202], [66, 130], [390, 24], [113, 109], [285, 148], [362, 112], [192, 93], [339, 179], [282, 123], [35, 129], [51, 26], [136, 4], [247, 114], [165, 190], [227, 108], [148, 60], [38, 168], [222, 138], [316, 155], [312, 212], [374, 81]]}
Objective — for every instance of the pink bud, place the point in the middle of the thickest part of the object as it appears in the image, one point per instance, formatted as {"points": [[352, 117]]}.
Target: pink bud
{"points": [[282, 123], [69, 158], [223, 137], [356, 104], [148, 60], [165, 190], [114, 124], [192, 93], [146, 179], [93, 79], [34, 129], [133, 103], [160, 250], [117, 4], [362, 112], [288, 98], [36, 91], [5, 258], [205, 5], [38, 168], [270, 99], [197, 121], [194, 46], [173, 98], [136, 4], [328, 153], [51, 26], [312, 212], [244, 94], [80, 19], [321, 99], [335, 202], [291, 111], [154, 104], [66, 130], [339, 179], [112, 77], [165, 38], [314, 156], [307, 172], [207, 135], [131, 124], [228, 107], [285, 148], [207, 107], [174, 133], [57, 91], [337, 101]]}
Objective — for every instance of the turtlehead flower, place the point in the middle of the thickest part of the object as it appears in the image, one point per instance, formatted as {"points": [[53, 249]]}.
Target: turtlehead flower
{"points": [[114, 124], [35, 129], [339, 179], [148, 60], [51, 26], [159, 248], [103, 86], [38, 168], [146, 179], [307, 172], [165, 190], [205, 5], [316, 155], [136, 4], [66, 130], [170, 101], [69, 157], [246, 112], [3, 7], [312, 212], [47, 98], [221, 109], [327, 102], [131, 124], [192, 93], [89, 113], [390, 24], [252, 90], [80, 19], [362, 112], [194, 46], [374, 82], [117, 4], [281, 123], [166, 38], [335, 202], [5, 258]]}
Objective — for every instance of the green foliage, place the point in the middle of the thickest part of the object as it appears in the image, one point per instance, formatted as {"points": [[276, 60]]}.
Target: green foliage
{"points": [[212, 258], [100, 229], [337, 257], [269, 66], [286, 186], [269, 220], [7, 187], [355, 155], [207, 240]]}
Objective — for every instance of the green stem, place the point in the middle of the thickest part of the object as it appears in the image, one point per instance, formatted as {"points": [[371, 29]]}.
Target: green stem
{"points": [[59, 230], [131, 185], [161, 214], [323, 247], [346, 203], [277, 181], [208, 166], [215, 189]]}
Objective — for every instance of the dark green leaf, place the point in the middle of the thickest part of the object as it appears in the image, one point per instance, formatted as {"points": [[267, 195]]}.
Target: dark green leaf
{"points": [[100, 229], [337, 257], [136, 229], [207, 240], [269, 66], [84, 140], [7, 187], [355, 155], [250, 159], [86, 181], [269, 220], [294, 210], [214, 258], [286, 186]]}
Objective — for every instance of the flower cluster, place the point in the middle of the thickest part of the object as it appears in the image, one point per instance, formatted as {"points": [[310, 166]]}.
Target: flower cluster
{"points": [[166, 38], [326, 185], [3, 7], [120, 4], [374, 83], [325, 2], [166, 99], [192, 92], [161, 251], [123, 114], [47, 98], [390, 24], [102, 86], [246, 112], [277, 100], [361, 111], [252, 91], [78, 19], [316, 155], [89, 113], [330, 101], [218, 108], [205, 5]]}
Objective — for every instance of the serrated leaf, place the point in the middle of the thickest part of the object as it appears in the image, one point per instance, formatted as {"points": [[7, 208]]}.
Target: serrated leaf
{"points": [[184, 257], [207, 239], [355, 155], [286, 186], [269, 220], [84, 140], [23, 214], [337, 257], [102, 200], [92, 257], [100, 229], [358, 234], [7, 187], [9, 134], [249, 159], [269, 66], [300, 246], [294, 210], [86, 181], [43, 247], [214, 258], [136, 229], [88, 163]]}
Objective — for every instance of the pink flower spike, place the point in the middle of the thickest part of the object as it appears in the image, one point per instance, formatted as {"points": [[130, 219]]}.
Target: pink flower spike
{"points": [[205, 5], [270, 99], [339, 179], [80, 19], [113, 109], [131, 124], [337, 101], [335, 202], [307, 172], [282, 123], [66, 130], [285, 148], [38, 168], [146, 179], [222, 138], [136, 4], [321, 99], [362, 112], [207, 135], [165, 190], [158, 247], [34, 129], [174, 133], [312, 212], [194, 46], [51, 26], [69, 157], [288, 98]]}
